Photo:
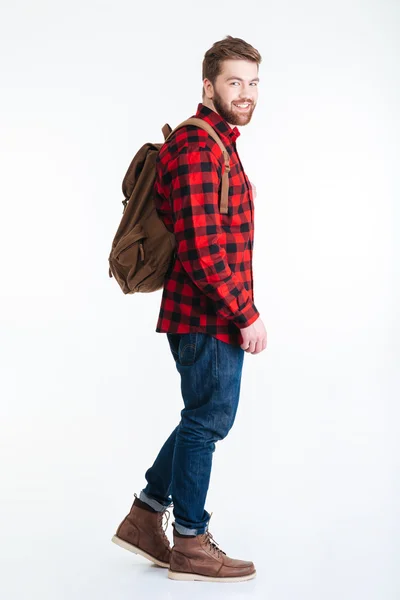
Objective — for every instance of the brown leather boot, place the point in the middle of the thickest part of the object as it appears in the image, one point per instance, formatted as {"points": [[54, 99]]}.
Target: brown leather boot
{"points": [[142, 532], [198, 558]]}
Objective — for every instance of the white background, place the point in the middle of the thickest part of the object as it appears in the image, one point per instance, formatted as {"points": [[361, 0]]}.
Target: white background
{"points": [[307, 482]]}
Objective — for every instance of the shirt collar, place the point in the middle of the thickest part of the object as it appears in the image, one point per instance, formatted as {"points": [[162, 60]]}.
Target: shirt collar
{"points": [[217, 122]]}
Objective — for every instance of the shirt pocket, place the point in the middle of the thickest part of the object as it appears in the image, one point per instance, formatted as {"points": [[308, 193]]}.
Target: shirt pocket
{"points": [[232, 223], [238, 219]]}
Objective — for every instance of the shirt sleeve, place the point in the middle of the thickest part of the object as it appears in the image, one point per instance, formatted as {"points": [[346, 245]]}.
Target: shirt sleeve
{"points": [[195, 198]]}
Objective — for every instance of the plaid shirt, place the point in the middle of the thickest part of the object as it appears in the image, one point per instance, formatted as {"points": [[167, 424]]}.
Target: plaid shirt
{"points": [[209, 285]]}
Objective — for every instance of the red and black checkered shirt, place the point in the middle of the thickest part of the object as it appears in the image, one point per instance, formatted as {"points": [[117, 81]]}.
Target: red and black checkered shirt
{"points": [[209, 286]]}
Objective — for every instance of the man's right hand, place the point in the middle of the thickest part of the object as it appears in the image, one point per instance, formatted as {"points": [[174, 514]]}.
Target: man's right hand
{"points": [[254, 337]]}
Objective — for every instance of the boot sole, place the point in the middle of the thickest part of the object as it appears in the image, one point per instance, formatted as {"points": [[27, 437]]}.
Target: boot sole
{"points": [[195, 577], [137, 550]]}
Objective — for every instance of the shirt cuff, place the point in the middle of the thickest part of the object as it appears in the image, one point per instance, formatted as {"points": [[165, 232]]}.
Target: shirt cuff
{"points": [[248, 315]]}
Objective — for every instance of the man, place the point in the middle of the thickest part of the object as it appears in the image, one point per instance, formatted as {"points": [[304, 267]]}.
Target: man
{"points": [[209, 316]]}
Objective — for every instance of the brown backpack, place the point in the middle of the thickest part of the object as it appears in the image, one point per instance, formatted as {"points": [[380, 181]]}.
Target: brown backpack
{"points": [[143, 248]]}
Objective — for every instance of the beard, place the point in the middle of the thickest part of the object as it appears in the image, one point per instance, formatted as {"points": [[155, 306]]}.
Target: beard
{"points": [[230, 113]]}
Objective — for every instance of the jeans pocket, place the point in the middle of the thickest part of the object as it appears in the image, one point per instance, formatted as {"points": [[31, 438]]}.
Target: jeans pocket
{"points": [[187, 348], [173, 340]]}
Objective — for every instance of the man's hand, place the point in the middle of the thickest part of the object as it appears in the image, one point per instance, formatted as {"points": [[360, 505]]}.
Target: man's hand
{"points": [[254, 337]]}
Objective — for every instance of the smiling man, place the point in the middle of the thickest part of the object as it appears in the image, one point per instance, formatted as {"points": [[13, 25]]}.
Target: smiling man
{"points": [[234, 98], [208, 313]]}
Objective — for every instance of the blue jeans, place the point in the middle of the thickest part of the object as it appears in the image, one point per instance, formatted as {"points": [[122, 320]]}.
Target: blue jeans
{"points": [[211, 372]]}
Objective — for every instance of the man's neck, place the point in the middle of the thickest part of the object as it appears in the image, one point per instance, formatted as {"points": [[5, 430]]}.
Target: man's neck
{"points": [[210, 104]]}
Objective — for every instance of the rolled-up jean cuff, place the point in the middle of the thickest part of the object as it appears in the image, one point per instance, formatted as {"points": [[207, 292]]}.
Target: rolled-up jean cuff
{"points": [[152, 502], [186, 530]]}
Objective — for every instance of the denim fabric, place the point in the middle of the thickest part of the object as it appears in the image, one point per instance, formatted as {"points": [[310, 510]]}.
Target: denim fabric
{"points": [[211, 372]]}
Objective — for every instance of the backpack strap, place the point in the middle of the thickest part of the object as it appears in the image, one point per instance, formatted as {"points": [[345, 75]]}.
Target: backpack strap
{"points": [[167, 132]]}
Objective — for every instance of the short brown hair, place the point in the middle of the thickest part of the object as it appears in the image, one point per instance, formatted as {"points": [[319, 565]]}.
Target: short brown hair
{"points": [[228, 48]]}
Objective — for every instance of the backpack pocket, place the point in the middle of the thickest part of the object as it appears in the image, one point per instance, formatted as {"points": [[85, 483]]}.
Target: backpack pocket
{"points": [[127, 249], [128, 262]]}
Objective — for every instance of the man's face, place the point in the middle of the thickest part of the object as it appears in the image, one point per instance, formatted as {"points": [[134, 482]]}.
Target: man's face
{"points": [[236, 84]]}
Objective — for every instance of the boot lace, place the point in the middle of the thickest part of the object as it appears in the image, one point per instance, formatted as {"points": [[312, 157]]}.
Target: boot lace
{"points": [[163, 527], [212, 544]]}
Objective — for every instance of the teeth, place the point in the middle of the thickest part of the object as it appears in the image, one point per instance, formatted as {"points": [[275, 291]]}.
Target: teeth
{"points": [[242, 105]]}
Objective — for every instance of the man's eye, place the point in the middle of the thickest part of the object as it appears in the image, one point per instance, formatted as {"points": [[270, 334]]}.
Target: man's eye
{"points": [[252, 83]]}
